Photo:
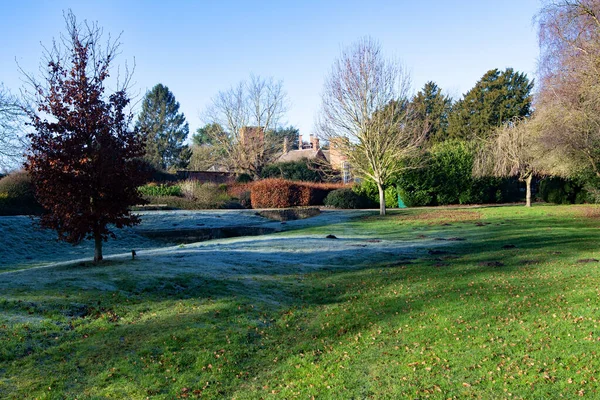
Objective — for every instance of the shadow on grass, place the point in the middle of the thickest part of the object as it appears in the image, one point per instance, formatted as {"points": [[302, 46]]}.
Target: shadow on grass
{"points": [[218, 333]]}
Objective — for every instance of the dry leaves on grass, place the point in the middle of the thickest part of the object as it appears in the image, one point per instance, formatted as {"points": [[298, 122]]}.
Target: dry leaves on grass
{"points": [[441, 216], [588, 211]]}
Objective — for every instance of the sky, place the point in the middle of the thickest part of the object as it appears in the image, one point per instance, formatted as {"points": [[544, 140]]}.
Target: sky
{"points": [[198, 48]]}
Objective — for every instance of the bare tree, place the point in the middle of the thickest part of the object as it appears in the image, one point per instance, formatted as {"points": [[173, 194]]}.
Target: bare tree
{"points": [[365, 114], [513, 150], [568, 107], [12, 127], [249, 113]]}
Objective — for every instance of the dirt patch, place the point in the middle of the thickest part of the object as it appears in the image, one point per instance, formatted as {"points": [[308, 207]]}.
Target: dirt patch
{"points": [[437, 252], [587, 260], [491, 264]]}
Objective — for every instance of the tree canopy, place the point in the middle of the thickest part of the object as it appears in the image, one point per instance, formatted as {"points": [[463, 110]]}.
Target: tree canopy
{"points": [[430, 110], [496, 98], [164, 128], [84, 159]]}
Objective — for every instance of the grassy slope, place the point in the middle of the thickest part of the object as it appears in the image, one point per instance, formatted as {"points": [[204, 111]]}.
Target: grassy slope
{"points": [[480, 321]]}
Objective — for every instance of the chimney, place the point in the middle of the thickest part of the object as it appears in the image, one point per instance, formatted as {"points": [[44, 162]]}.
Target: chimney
{"points": [[315, 142], [299, 142], [286, 145]]}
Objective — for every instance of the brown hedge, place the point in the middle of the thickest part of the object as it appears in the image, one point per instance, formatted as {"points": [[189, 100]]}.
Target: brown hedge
{"points": [[279, 193]]}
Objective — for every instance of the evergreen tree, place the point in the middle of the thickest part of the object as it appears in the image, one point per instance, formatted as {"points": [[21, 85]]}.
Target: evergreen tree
{"points": [[496, 98], [165, 129], [430, 110], [292, 134]]}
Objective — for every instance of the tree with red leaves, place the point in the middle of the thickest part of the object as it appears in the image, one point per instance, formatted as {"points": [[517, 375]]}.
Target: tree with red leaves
{"points": [[84, 158]]}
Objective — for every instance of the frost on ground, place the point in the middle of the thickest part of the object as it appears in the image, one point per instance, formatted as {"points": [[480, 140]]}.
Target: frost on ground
{"points": [[24, 245], [240, 260]]}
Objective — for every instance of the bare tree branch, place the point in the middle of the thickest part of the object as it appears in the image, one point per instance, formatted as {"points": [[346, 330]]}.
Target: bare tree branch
{"points": [[365, 114]]}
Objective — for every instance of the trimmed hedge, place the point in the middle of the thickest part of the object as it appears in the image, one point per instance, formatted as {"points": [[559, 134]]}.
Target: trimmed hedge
{"points": [[279, 193], [347, 198]]}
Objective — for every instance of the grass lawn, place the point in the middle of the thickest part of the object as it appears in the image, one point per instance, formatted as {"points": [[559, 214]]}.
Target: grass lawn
{"points": [[495, 302]]}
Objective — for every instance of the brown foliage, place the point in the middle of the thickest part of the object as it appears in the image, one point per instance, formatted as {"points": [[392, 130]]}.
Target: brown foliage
{"points": [[279, 193], [83, 158]]}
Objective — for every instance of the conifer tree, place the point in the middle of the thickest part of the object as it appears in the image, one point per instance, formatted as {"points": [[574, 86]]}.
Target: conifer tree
{"points": [[496, 98], [430, 110], [165, 130]]}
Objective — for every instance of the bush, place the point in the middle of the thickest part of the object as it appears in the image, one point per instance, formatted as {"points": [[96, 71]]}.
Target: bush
{"points": [[17, 195], [302, 170], [173, 202], [369, 190], [279, 193], [243, 178], [561, 191], [348, 198], [446, 178], [206, 195], [155, 189]]}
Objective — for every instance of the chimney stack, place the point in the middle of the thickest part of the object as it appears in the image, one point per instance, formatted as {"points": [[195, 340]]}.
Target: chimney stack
{"points": [[315, 142], [286, 145], [299, 142]]}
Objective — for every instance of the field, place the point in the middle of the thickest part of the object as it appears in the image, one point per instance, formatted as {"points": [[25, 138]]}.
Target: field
{"points": [[490, 302]]}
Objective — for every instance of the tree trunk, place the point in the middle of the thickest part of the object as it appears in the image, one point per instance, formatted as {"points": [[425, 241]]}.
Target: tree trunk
{"points": [[381, 199], [528, 195], [98, 247]]}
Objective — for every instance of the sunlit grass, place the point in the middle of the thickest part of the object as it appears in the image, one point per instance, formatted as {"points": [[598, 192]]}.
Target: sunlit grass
{"points": [[507, 307]]}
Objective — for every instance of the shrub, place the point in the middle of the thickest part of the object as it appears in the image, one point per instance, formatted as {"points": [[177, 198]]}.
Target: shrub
{"points": [[243, 178], [348, 198], [561, 191], [17, 195], [155, 189], [279, 193], [369, 190], [445, 177], [173, 202], [206, 195], [302, 170]]}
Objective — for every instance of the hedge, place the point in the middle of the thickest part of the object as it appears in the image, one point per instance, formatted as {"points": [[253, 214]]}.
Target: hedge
{"points": [[348, 198], [279, 193], [17, 195]]}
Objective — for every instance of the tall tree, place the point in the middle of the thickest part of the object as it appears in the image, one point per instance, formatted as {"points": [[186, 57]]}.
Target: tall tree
{"points": [[83, 157], [364, 114], [430, 111], [12, 127], [249, 113], [165, 129], [568, 110], [496, 98]]}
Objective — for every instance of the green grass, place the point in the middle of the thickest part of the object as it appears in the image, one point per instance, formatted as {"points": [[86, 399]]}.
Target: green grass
{"points": [[471, 320]]}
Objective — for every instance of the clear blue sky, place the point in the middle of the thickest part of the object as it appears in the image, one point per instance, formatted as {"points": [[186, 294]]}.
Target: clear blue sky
{"points": [[197, 48]]}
